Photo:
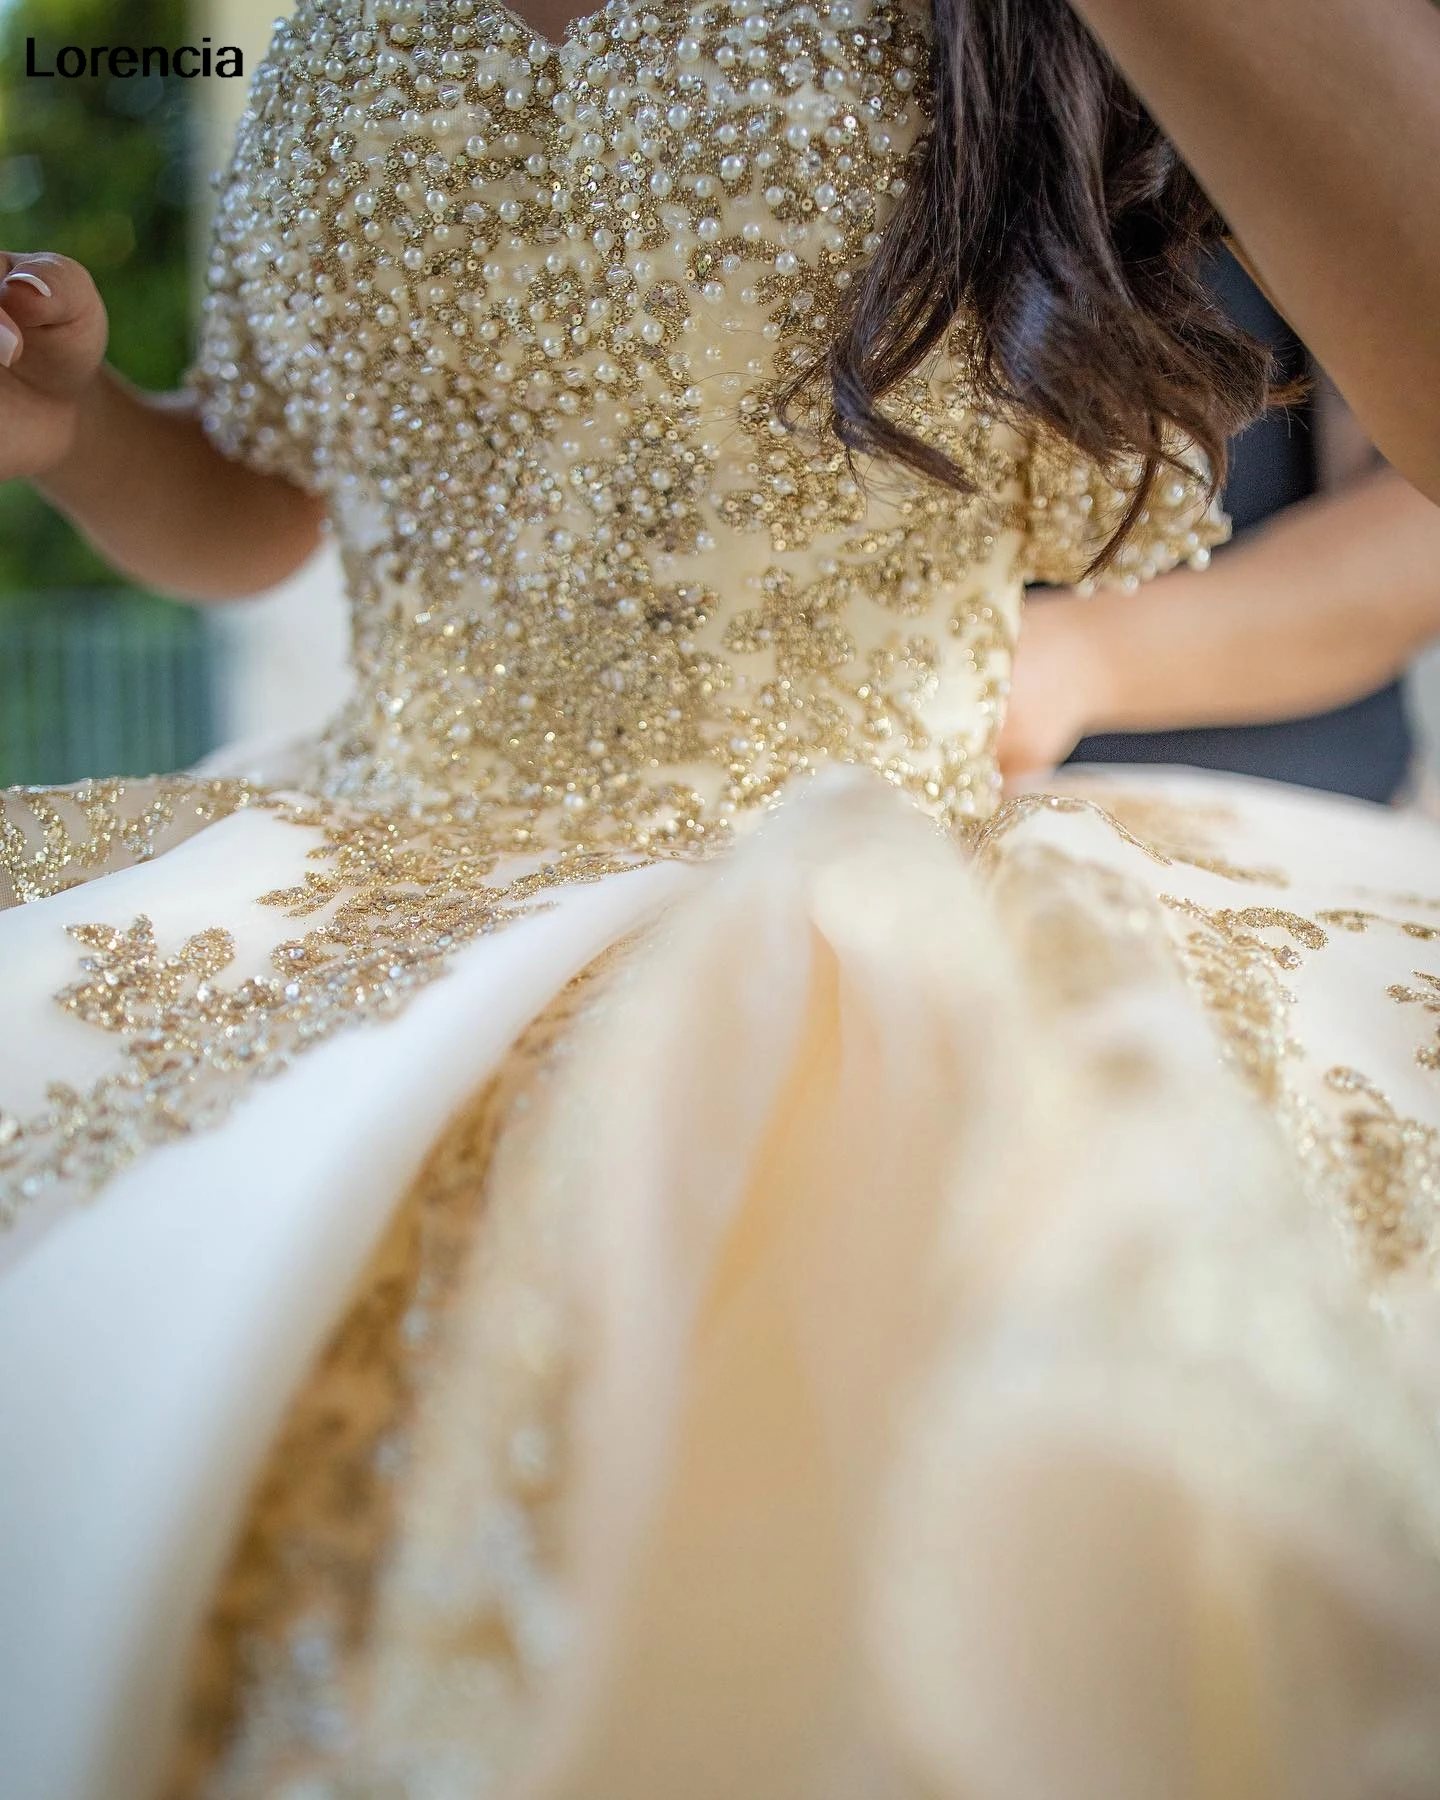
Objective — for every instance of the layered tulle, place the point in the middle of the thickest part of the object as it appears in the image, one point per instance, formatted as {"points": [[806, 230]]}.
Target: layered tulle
{"points": [[963, 1397]]}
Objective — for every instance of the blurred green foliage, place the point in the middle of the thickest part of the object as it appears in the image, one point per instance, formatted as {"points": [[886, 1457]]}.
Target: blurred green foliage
{"points": [[98, 169]]}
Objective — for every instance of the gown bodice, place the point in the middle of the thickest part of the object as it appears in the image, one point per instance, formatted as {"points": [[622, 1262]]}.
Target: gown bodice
{"points": [[864, 1315], [522, 312]]}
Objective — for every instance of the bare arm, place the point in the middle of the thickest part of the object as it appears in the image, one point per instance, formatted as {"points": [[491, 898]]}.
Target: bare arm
{"points": [[1315, 127], [148, 489], [1323, 606], [134, 472]]}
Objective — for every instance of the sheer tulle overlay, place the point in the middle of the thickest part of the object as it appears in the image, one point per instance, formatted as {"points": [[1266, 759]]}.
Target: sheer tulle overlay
{"points": [[958, 1355], [617, 1224]]}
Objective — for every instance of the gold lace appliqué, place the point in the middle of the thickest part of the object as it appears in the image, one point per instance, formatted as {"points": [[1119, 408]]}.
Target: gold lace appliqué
{"points": [[1367, 1164], [277, 1677], [52, 839], [393, 899]]}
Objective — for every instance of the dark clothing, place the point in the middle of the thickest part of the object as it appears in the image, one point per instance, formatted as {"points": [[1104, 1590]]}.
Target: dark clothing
{"points": [[1364, 749]]}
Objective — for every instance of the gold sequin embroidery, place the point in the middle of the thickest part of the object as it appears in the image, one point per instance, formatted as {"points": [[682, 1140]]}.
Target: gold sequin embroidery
{"points": [[1165, 833], [1393, 1165], [52, 839], [277, 1685], [1365, 1163], [393, 898], [522, 313]]}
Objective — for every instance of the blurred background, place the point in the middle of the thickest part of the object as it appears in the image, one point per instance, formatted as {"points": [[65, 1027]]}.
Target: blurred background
{"points": [[98, 678]]}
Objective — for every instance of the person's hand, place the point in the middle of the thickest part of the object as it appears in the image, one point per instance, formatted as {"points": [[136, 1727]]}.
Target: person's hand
{"points": [[53, 331], [1057, 685]]}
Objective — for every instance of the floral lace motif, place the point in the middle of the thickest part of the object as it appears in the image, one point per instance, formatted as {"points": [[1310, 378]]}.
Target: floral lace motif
{"points": [[54, 838], [277, 1683], [302, 1593], [392, 900], [1371, 1167]]}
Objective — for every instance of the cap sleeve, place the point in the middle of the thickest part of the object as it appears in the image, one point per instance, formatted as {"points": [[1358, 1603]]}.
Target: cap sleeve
{"points": [[1073, 507], [253, 363]]}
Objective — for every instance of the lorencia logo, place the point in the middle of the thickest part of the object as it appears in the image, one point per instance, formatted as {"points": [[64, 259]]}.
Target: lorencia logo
{"points": [[124, 60]]}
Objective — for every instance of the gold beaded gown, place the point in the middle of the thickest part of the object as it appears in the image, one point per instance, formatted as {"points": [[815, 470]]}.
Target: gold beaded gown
{"points": [[617, 1226]]}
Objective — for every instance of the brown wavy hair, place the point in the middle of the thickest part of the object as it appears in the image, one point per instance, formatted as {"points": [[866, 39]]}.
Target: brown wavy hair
{"points": [[1046, 205]]}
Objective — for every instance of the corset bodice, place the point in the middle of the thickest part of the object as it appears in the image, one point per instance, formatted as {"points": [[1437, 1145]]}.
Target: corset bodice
{"points": [[522, 312]]}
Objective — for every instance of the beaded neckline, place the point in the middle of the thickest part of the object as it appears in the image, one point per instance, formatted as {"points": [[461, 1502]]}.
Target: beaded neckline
{"points": [[521, 311], [576, 30], [578, 27]]}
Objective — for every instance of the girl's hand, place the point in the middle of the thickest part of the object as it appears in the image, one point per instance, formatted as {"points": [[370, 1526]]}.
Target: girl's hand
{"points": [[53, 331], [1057, 686]]}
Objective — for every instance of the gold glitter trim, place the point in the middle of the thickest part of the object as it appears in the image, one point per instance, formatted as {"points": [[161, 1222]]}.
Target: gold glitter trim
{"points": [[274, 1681], [52, 839], [1369, 1166], [395, 898], [1166, 833], [1393, 1169]]}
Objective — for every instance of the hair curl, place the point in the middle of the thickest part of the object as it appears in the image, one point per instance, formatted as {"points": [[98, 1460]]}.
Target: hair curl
{"points": [[1047, 207]]}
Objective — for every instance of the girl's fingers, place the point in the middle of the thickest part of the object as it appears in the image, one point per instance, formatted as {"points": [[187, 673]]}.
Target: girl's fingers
{"points": [[10, 340], [52, 307], [41, 289], [33, 280]]}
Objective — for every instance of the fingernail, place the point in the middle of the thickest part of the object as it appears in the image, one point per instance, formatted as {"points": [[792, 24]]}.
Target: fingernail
{"points": [[9, 344], [34, 280]]}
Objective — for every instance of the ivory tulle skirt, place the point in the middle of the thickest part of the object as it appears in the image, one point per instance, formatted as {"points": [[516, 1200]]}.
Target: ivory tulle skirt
{"points": [[864, 1317]]}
